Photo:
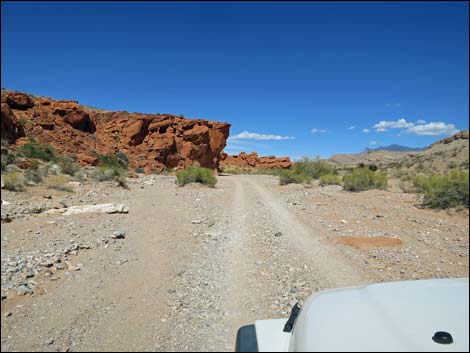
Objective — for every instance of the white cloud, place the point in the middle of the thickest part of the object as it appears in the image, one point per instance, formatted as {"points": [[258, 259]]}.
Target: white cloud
{"points": [[432, 129], [372, 143], [245, 135], [399, 124], [352, 127], [420, 127], [366, 131], [314, 131]]}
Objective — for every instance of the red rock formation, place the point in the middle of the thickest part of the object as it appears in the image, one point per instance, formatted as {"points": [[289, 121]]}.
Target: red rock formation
{"points": [[151, 141], [252, 160], [10, 127]]}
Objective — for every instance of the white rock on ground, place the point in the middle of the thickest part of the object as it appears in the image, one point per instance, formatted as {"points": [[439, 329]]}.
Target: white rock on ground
{"points": [[104, 208]]}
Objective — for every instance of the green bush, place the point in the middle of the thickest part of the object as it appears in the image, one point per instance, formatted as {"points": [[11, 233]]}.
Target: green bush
{"points": [[68, 166], [103, 174], [34, 175], [313, 168], [444, 191], [290, 176], [7, 159], [330, 179], [373, 167], [14, 181], [117, 161], [364, 179], [139, 170], [112, 167], [196, 175], [41, 151]]}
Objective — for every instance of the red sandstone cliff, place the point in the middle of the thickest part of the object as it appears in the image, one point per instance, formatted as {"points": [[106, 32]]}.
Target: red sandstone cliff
{"points": [[151, 141], [252, 160]]}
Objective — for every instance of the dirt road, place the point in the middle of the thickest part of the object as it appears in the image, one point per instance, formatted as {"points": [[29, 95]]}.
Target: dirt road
{"points": [[196, 264]]}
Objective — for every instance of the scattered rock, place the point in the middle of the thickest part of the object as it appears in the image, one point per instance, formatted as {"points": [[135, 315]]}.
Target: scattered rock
{"points": [[24, 289], [118, 234], [55, 169]]}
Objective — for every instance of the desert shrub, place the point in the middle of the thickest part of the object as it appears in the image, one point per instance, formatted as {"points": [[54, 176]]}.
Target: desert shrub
{"points": [[14, 181], [364, 179], [112, 167], [34, 175], [444, 191], [372, 167], [330, 179], [103, 174], [452, 165], [291, 176], [196, 175], [80, 175], [115, 162], [313, 168], [31, 164], [139, 170], [68, 166], [7, 159], [41, 151], [58, 182]]}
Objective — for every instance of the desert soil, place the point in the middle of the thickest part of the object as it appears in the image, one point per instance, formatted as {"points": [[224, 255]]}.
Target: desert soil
{"points": [[197, 263]]}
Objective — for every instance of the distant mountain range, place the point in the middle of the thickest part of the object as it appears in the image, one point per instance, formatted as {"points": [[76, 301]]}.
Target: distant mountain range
{"points": [[396, 148]]}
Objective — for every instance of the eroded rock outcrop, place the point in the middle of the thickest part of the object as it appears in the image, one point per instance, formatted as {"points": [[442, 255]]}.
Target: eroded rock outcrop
{"points": [[251, 160], [11, 129], [151, 141]]}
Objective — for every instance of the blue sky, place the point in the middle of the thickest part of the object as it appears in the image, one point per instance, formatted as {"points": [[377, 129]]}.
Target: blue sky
{"points": [[293, 78]]}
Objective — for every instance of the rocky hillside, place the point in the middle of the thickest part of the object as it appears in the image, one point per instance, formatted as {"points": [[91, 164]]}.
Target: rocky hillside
{"points": [[252, 160], [381, 158], [153, 142], [449, 153]]}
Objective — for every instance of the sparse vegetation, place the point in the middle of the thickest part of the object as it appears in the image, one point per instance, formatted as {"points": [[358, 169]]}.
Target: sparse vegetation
{"points": [[15, 181], [444, 191], [34, 175], [330, 179], [24, 121], [291, 176], [58, 182], [313, 168], [41, 151], [7, 159], [364, 179], [196, 175], [112, 167], [139, 170], [68, 166]]}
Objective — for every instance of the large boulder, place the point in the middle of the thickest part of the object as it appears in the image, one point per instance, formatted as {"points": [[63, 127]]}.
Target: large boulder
{"points": [[19, 101], [11, 129]]}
